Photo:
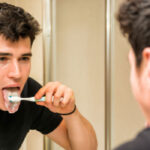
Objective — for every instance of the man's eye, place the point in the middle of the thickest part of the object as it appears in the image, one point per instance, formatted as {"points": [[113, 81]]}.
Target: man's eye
{"points": [[25, 59], [3, 58]]}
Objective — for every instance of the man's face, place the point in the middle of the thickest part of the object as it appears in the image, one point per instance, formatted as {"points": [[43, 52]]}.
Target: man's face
{"points": [[139, 78], [14, 70]]}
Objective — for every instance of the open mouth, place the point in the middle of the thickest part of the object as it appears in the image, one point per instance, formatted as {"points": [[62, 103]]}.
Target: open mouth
{"points": [[12, 107]]}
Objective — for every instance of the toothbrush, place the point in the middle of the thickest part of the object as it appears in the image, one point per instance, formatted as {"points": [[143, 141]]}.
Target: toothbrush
{"points": [[15, 99]]}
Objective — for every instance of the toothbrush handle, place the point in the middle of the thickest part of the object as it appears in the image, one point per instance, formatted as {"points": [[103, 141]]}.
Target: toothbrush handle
{"points": [[40, 100]]}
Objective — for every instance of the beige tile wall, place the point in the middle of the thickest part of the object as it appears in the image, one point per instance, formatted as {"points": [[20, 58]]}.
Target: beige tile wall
{"points": [[80, 32]]}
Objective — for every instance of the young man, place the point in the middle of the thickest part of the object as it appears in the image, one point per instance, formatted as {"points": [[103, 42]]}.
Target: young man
{"points": [[134, 19], [57, 117]]}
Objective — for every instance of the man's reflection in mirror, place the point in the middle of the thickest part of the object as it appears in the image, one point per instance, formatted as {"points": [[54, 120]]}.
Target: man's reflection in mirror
{"points": [[134, 19], [57, 116]]}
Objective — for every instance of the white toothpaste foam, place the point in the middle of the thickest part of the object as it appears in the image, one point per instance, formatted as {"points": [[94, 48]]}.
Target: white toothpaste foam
{"points": [[12, 107]]}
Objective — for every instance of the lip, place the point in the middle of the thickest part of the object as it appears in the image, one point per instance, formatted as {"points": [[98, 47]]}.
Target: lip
{"points": [[12, 86], [17, 86]]}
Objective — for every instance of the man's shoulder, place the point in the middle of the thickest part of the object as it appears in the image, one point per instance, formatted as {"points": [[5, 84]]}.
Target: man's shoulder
{"points": [[142, 141], [32, 81]]}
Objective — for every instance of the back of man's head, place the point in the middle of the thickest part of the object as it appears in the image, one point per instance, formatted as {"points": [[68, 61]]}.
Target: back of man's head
{"points": [[16, 23], [134, 19]]}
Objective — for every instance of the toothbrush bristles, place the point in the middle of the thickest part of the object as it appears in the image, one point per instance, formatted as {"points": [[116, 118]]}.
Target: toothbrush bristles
{"points": [[14, 98]]}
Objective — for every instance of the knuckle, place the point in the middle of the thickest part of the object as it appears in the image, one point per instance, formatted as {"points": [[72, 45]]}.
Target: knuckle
{"points": [[57, 96], [63, 103], [56, 104]]}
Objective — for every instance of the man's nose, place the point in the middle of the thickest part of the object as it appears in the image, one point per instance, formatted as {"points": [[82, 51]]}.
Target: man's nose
{"points": [[14, 71]]}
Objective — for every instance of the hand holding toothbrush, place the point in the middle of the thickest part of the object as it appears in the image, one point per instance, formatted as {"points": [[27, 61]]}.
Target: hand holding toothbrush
{"points": [[58, 98]]}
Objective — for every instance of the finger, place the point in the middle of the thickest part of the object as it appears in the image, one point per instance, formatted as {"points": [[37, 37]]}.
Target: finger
{"points": [[41, 103], [48, 100], [58, 96], [68, 96]]}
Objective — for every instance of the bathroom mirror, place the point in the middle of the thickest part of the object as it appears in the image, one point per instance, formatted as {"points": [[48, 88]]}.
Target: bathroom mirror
{"points": [[82, 47]]}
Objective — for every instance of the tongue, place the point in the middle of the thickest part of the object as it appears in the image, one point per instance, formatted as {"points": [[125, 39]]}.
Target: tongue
{"points": [[12, 107]]}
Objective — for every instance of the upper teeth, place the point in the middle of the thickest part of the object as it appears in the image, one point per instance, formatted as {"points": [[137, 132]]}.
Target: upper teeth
{"points": [[13, 91]]}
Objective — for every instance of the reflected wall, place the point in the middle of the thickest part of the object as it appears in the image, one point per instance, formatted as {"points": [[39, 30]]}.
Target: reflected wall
{"points": [[80, 51]]}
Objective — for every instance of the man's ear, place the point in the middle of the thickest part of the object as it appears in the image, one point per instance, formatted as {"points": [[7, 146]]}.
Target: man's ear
{"points": [[146, 53], [146, 60]]}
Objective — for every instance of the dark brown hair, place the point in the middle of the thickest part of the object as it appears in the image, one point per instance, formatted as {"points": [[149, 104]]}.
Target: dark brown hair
{"points": [[16, 23], [134, 19]]}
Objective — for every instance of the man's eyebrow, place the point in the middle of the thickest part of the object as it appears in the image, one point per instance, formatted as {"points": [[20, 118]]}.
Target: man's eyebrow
{"points": [[27, 54], [10, 54], [5, 54]]}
